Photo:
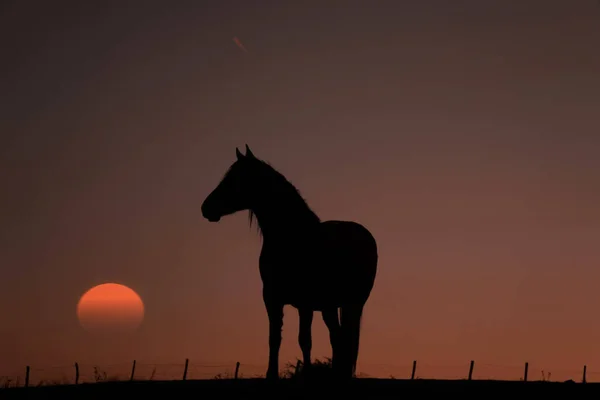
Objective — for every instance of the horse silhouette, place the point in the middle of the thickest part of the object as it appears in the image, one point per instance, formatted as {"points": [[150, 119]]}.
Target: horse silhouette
{"points": [[304, 262]]}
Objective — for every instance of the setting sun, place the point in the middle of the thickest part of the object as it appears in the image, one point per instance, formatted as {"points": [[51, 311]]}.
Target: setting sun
{"points": [[110, 308]]}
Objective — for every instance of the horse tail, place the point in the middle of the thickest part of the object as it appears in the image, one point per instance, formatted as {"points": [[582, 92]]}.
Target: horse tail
{"points": [[350, 326]]}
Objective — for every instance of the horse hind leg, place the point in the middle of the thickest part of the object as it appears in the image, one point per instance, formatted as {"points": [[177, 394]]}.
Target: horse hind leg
{"points": [[330, 317], [305, 335], [350, 326]]}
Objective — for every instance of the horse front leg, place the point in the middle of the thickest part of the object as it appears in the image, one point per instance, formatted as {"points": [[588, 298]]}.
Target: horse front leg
{"points": [[275, 314], [305, 335]]}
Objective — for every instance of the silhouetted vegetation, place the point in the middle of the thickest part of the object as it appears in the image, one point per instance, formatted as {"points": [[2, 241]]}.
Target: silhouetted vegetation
{"points": [[319, 369]]}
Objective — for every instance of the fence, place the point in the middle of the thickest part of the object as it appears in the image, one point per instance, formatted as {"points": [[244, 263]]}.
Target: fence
{"points": [[84, 373], [88, 373]]}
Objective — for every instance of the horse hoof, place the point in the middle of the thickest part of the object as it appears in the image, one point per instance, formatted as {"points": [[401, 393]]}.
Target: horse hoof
{"points": [[272, 376], [307, 370]]}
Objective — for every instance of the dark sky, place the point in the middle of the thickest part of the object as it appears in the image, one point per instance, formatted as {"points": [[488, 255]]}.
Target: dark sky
{"points": [[464, 134]]}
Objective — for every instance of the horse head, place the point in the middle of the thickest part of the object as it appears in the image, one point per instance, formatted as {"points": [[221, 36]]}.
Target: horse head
{"points": [[236, 190]]}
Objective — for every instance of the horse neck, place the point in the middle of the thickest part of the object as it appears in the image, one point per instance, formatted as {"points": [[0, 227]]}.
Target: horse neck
{"points": [[278, 219]]}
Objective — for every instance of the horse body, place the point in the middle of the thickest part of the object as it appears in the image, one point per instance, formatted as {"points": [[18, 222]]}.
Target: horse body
{"points": [[333, 265], [304, 262]]}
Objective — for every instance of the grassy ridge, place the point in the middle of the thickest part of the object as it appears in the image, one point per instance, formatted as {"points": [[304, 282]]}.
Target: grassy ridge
{"points": [[293, 389]]}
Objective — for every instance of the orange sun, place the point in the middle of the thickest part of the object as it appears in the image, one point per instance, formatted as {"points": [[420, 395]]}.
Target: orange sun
{"points": [[110, 308]]}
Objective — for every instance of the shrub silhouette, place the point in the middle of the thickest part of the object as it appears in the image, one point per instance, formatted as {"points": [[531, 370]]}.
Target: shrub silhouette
{"points": [[319, 369]]}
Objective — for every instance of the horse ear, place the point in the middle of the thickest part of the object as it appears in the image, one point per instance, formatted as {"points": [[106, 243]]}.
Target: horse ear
{"points": [[249, 153], [238, 154]]}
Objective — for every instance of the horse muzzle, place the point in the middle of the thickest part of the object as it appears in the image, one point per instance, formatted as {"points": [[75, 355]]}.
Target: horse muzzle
{"points": [[210, 216]]}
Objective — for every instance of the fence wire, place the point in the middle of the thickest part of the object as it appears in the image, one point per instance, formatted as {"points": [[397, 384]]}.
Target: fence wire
{"points": [[143, 371]]}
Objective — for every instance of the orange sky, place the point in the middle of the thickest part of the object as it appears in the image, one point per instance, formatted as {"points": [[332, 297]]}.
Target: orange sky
{"points": [[463, 135]]}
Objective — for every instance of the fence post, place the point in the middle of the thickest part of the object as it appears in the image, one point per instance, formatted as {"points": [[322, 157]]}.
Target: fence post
{"points": [[185, 369], [584, 373], [526, 371], [237, 369], [414, 370], [471, 369], [132, 371], [76, 373], [27, 376]]}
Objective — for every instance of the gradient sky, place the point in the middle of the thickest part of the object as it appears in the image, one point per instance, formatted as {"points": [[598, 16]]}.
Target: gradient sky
{"points": [[465, 135]]}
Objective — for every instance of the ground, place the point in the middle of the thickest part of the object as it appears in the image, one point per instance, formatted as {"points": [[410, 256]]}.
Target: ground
{"points": [[295, 389]]}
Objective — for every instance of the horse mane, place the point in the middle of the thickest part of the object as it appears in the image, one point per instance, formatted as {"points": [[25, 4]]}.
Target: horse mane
{"points": [[290, 192]]}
